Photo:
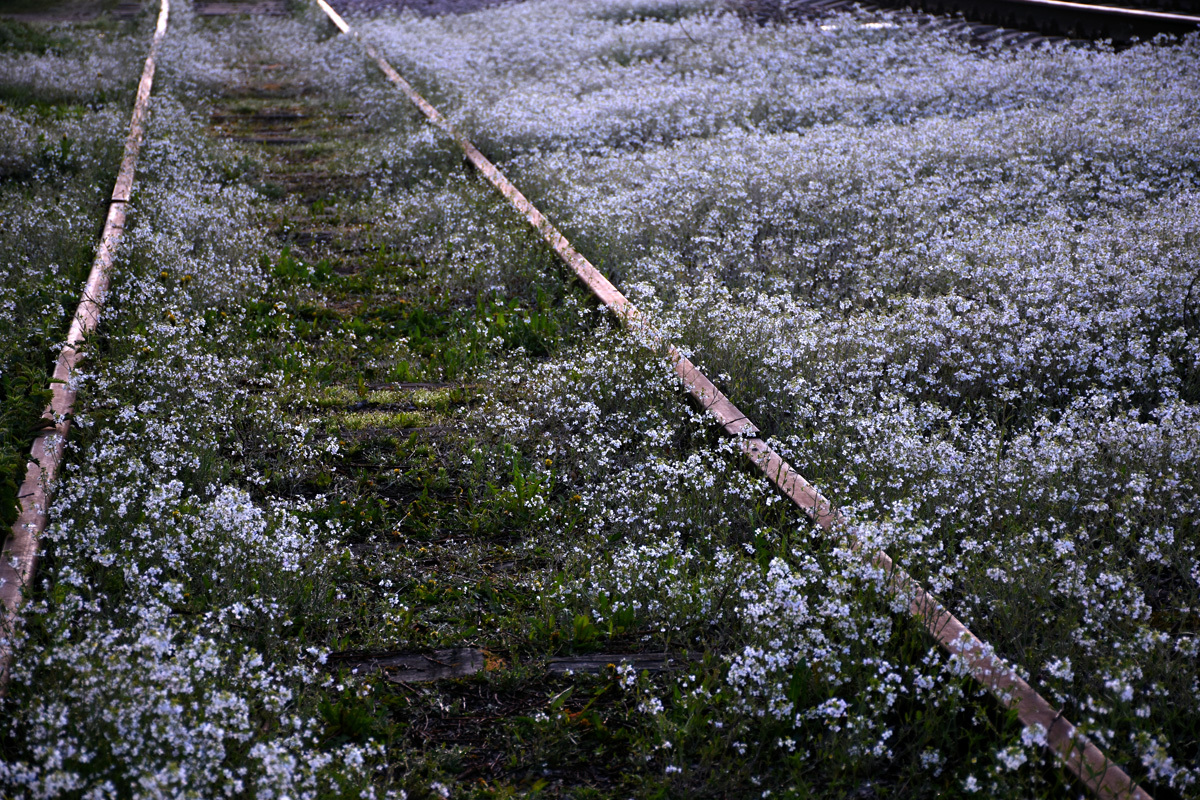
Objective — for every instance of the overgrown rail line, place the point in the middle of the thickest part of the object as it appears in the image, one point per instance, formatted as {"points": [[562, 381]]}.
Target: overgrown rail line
{"points": [[278, 126], [1077, 753]]}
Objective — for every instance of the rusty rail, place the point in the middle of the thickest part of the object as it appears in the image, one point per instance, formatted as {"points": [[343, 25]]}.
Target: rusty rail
{"points": [[1075, 751], [1118, 11], [19, 557], [1066, 17]]}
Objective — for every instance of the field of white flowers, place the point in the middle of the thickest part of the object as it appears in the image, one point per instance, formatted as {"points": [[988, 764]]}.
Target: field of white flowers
{"points": [[959, 288]]}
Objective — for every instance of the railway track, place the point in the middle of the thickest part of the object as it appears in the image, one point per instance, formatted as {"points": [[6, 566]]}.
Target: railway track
{"points": [[1079, 755], [1015, 22], [1118, 22], [290, 133], [22, 547]]}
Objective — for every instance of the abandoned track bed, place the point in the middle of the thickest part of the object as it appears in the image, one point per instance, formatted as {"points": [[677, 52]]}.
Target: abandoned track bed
{"points": [[432, 409]]}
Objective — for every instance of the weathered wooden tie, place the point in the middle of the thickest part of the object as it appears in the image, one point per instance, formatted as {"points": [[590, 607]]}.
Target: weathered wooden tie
{"points": [[449, 663], [596, 663]]}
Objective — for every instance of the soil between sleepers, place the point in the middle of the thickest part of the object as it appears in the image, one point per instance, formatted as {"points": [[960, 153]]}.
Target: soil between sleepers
{"points": [[458, 692]]}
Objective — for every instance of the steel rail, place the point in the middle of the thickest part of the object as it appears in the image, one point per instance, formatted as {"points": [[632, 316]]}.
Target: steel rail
{"points": [[1078, 754], [1063, 17], [1115, 11], [19, 557]]}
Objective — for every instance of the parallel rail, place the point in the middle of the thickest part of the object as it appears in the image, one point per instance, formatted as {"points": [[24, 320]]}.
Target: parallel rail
{"points": [[1078, 754], [1064, 18], [19, 557]]}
